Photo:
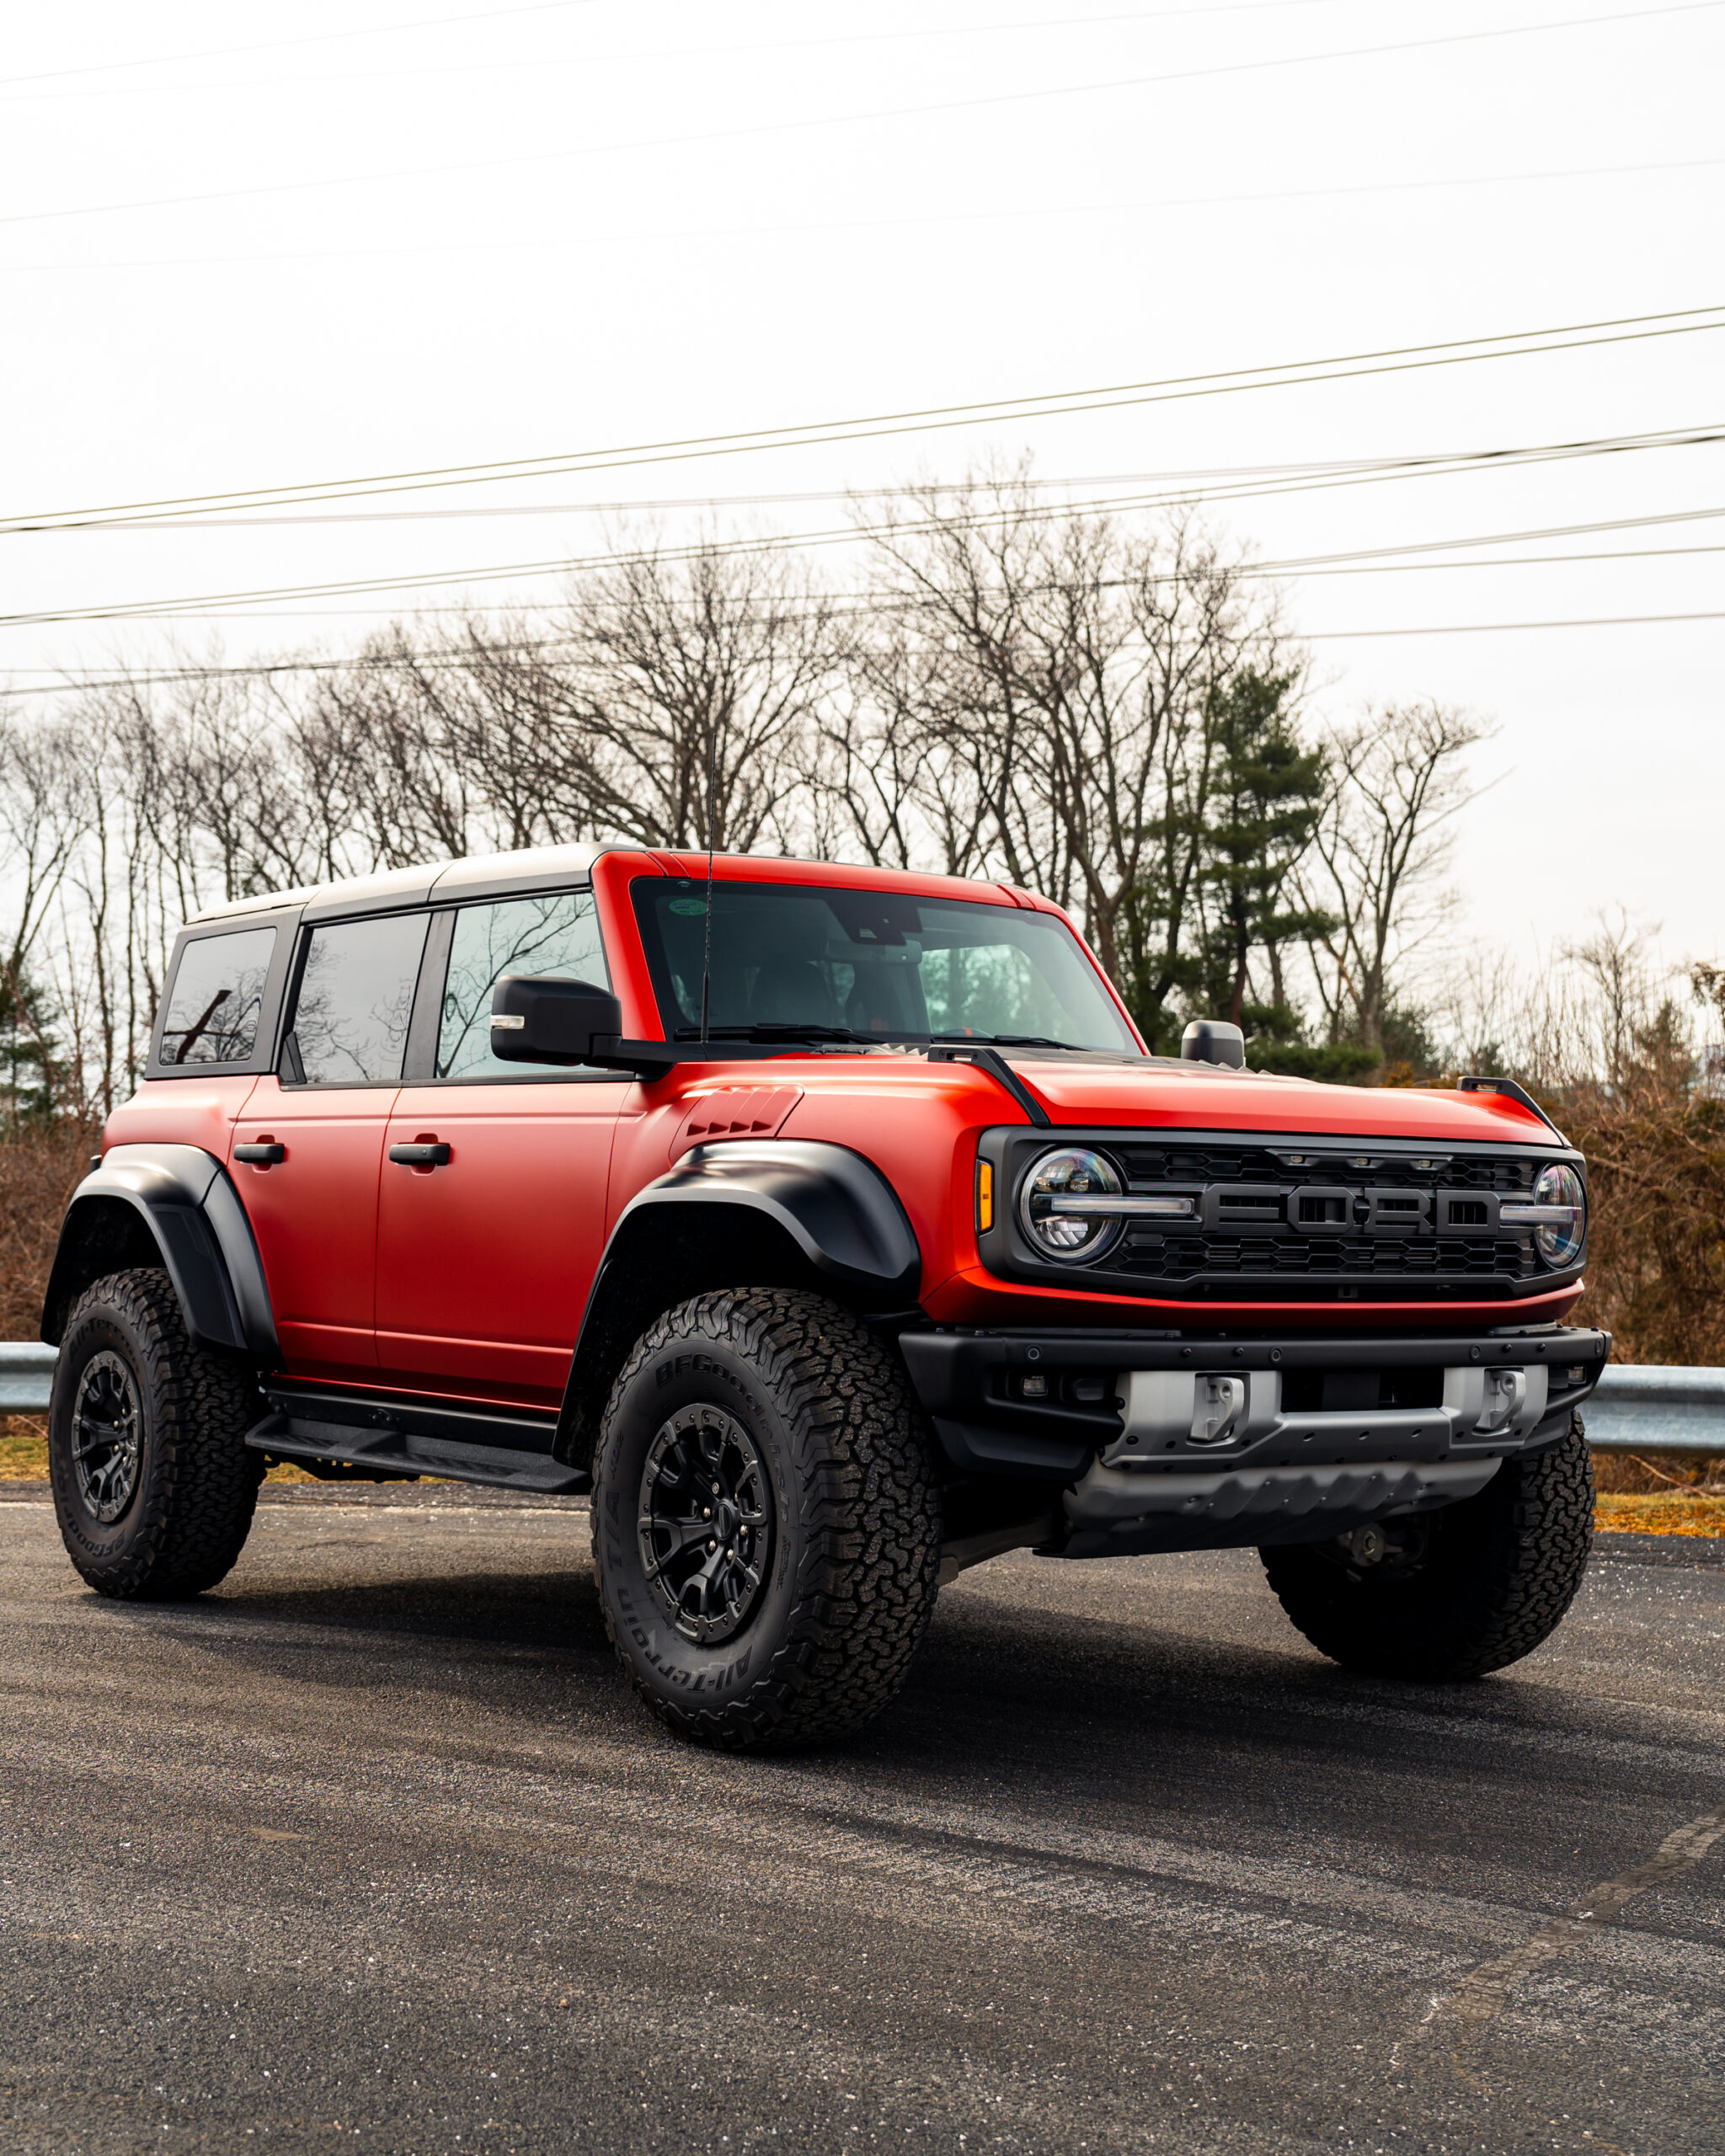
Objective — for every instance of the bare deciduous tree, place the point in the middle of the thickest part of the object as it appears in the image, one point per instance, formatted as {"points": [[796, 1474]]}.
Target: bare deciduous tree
{"points": [[1398, 782], [1070, 665], [684, 692]]}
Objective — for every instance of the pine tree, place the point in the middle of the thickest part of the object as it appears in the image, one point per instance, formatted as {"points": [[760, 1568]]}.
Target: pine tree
{"points": [[26, 1094], [1263, 808]]}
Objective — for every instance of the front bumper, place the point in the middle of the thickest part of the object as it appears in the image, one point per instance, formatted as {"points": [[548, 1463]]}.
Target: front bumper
{"points": [[1164, 1441]]}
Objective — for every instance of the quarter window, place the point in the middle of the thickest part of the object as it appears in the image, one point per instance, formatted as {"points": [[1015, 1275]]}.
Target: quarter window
{"points": [[557, 934], [217, 996], [356, 996]]}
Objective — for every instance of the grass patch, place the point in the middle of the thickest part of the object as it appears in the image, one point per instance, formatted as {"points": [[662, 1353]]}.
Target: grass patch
{"points": [[1671, 1512], [24, 1448]]}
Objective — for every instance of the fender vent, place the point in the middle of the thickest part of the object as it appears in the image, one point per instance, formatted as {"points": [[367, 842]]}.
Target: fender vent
{"points": [[735, 1112]]}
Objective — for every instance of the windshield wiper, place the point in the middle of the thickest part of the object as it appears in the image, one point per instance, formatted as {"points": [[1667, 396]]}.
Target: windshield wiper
{"points": [[768, 1031], [1008, 1040], [765, 1032]]}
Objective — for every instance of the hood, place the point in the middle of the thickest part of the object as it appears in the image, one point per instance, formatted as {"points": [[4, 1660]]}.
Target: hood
{"points": [[1204, 1097]]}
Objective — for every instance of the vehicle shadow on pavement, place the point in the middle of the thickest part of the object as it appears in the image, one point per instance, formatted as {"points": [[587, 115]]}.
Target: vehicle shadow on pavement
{"points": [[1048, 1696], [556, 1610]]}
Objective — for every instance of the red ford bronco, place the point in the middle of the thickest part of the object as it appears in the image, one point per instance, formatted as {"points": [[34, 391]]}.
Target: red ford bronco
{"points": [[834, 1230]]}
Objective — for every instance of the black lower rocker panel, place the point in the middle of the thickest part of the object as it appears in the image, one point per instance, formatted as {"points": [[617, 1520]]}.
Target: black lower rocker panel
{"points": [[403, 1436]]}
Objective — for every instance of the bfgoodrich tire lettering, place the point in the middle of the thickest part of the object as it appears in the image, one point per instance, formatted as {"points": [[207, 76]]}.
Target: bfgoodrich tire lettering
{"points": [[153, 1483], [1491, 1582], [851, 1543]]}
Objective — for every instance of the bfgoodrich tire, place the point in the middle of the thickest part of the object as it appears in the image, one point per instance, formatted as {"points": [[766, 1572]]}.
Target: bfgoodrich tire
{"points": [[766, 1526], [153, 1483], [1458, 1592]]}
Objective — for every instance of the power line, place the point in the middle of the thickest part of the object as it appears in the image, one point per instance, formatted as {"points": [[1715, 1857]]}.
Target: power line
{"points": [[1363, 567], [929, 419], [434, 661], [1330, 565], [826, 227], [1113, 83], [1349, 468], [1251, 571], [157, 610], [1502, 538], [1484, 628]]}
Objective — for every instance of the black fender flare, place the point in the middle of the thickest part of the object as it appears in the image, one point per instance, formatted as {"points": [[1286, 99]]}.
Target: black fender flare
{"points": [[178, 1201], [836, 1206], [742, 1211]]}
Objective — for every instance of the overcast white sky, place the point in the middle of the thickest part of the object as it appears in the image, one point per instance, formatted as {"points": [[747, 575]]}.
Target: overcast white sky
{"points": [[428, 235]]}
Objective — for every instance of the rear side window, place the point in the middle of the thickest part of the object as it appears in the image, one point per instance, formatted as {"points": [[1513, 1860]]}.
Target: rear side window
{"points": [[356, 996], [557, 934], [217, 999]]}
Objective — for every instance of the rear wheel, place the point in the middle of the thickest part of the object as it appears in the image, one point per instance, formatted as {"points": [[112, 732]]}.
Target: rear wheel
{"points": [[1451, 1594], [765, 1527], [153, 1483]]}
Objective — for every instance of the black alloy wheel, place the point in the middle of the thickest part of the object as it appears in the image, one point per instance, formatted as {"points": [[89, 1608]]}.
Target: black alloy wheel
{"points": [[153, 1480], [766, 1522], [107, 1442], [705, 1522]]}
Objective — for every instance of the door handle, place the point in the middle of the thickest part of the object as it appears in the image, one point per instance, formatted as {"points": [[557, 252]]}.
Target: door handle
{"points": [[264, 1155], [433, 1154]]}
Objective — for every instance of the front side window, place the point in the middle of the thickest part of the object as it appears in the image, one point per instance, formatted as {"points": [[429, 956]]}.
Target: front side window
{"points": [[835, 964], [217, 999], [356, 996], [556, 934]]}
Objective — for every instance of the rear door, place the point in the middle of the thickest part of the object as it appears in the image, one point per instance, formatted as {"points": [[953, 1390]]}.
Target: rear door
{"points": [[308, 1145], [484, 1258]]}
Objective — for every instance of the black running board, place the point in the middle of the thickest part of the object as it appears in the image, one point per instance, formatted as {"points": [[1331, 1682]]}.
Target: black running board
{"points": [[408, 1438]]}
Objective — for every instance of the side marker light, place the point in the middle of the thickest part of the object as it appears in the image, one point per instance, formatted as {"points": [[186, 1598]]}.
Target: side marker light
{"points": [[984, 1196]]}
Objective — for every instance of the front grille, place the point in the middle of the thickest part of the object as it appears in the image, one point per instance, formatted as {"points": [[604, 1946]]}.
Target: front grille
{"points": [[1312, 1220]]}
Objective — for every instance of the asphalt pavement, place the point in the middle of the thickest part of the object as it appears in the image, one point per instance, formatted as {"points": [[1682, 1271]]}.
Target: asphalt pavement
{"points": [[371, 1845]]}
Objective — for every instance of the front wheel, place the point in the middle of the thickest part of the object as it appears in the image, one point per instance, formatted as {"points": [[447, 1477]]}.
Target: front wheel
{"points": [[153, 1482], [1452, 1594], [766, 1526]]}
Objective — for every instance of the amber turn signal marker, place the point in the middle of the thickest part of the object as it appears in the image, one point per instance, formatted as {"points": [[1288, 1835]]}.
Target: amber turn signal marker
{"points": [[984, 1197]]}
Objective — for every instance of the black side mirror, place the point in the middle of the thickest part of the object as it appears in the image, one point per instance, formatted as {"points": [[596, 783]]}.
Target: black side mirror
{"points": [[1206, 1040], [538, 1019]]}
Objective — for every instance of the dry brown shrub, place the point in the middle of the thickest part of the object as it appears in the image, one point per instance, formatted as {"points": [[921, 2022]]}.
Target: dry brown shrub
{"points": [[1623, 1473], [1655, 1147], [38, 1169]]}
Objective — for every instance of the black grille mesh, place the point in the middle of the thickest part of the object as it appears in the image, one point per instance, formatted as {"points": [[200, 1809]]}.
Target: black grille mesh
{"points": [[1196, 1257], [1257, 1252]]}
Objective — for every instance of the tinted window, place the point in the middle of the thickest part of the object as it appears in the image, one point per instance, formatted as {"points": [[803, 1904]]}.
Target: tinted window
{"points": [[557, 934], [216, 998], [881, 964], [356, 995]]}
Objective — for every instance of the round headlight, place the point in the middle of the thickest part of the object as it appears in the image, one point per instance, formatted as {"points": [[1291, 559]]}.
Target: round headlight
{"points": [[1559, 1244], [1054, 1203]]}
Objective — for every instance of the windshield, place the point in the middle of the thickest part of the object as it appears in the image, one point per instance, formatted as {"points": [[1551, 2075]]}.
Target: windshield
{"points": [[828, 964]]}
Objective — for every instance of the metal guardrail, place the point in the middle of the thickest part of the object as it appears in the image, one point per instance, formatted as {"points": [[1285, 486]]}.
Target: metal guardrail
{"points": [[26, 1372], [1639, 1407], [1656, 1407]]}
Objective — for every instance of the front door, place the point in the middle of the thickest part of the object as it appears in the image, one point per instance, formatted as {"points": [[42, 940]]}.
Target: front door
{"points": [[307, 1148], [485, 1257]]}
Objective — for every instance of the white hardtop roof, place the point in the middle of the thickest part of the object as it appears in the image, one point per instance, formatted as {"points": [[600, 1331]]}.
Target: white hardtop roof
{"points": [[479, 875]]}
